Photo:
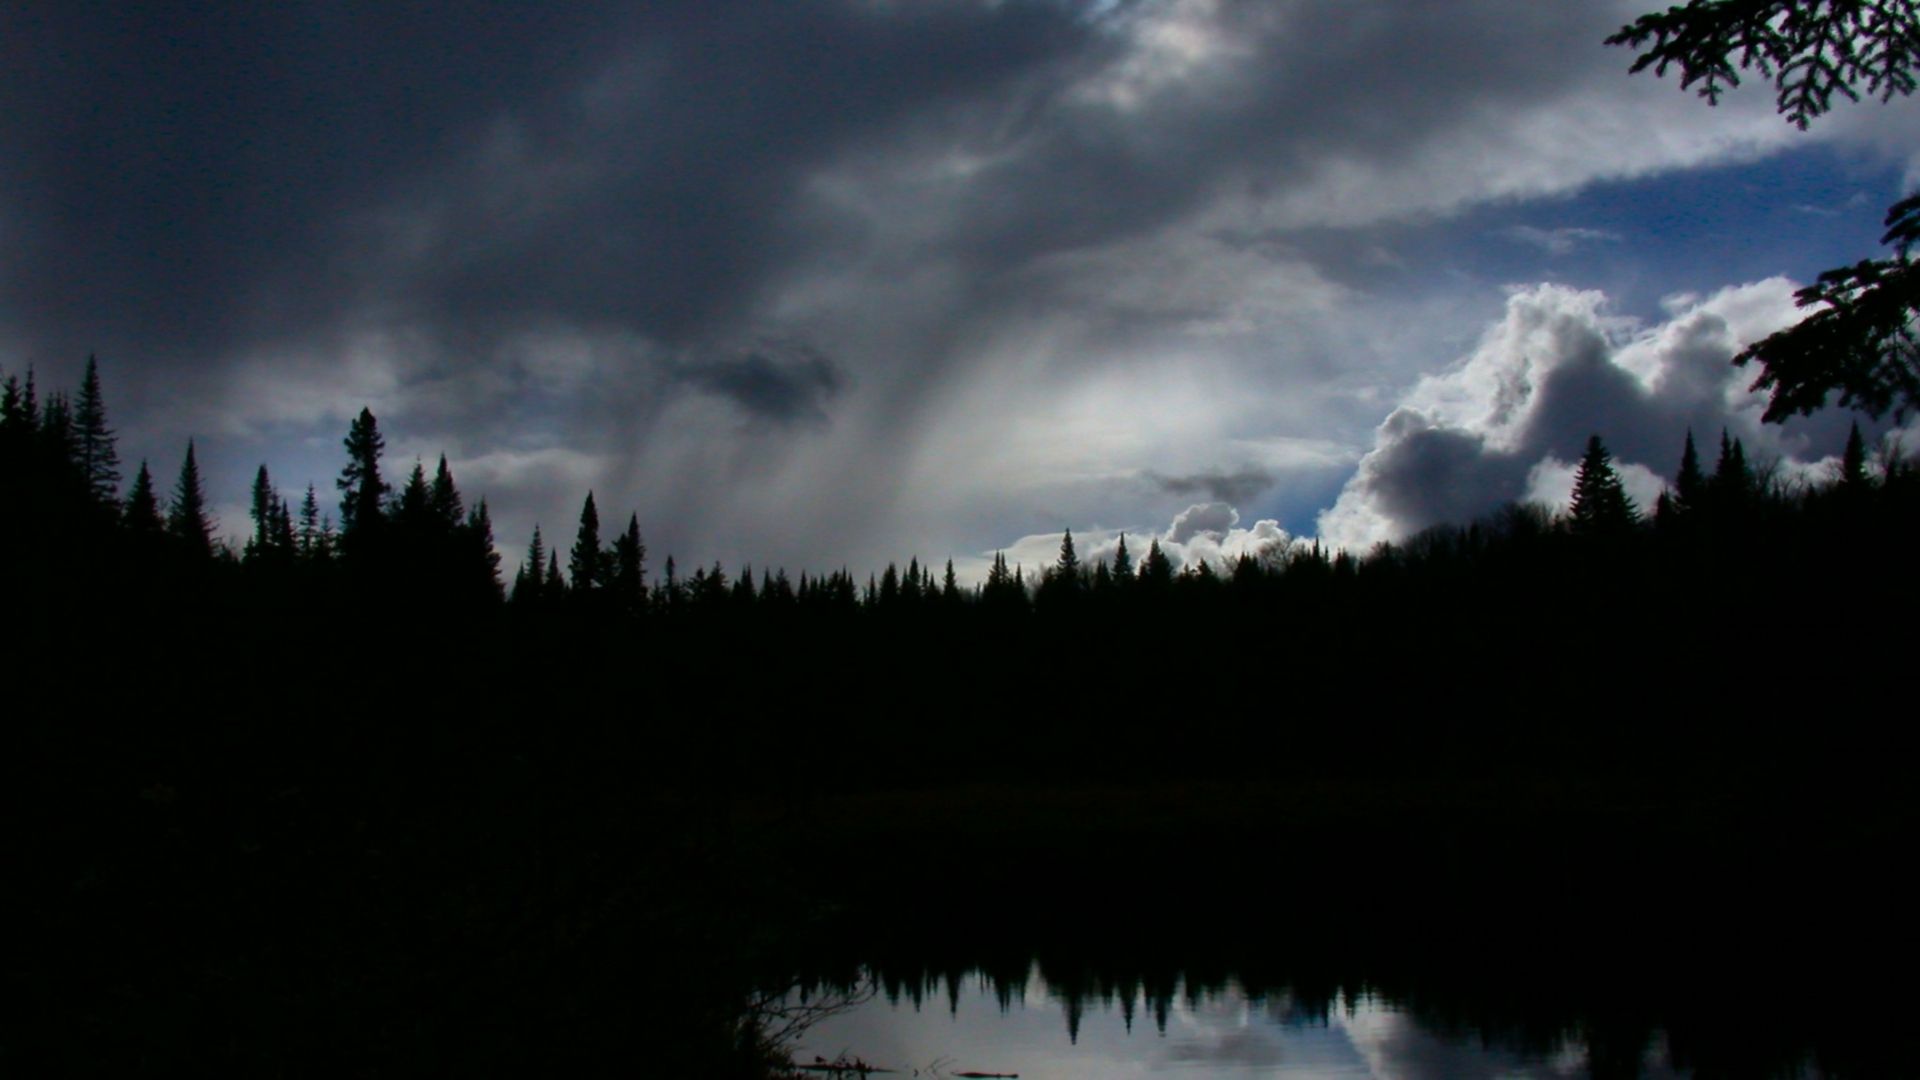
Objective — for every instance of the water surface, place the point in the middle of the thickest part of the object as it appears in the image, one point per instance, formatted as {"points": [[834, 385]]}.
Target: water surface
{"points": [[1037, 1030]]}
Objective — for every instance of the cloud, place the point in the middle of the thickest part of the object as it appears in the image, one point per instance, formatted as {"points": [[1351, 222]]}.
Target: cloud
{"points": [[1234, 487], [1561, 241], [964, 270], [785, 382], [1503, 423]]}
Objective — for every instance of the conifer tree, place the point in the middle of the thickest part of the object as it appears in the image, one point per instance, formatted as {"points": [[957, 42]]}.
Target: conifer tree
{"points": [[187, 519], [1732, 482], [529, 585], [477, 535], [362, 492], [1853, 462], [142, 514], [412, 510], [443, 498], [583, 563], [1690, 487], [630, 569], [309, 534], [264, 510], [1066, 568], [553, 586], [1600, 504], [99, 462], [1122, 561], [1156, 570]]}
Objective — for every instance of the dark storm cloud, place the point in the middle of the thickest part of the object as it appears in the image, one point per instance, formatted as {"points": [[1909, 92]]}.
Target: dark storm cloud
{"points": [[1219, 485], [518, 231], [783, 382], [186, 180]]}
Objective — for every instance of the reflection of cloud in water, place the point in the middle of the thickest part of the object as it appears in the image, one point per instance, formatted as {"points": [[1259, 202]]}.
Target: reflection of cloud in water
{"points": [[1395, 1048]]}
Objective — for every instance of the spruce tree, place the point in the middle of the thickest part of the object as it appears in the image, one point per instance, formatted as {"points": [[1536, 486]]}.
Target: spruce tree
{"points": [[263, 509], [529, 585], [1066, 569], [142, 514], [583, 563], [477, 539], [412, 509], [443, 498], [1853, 462], [1156, 570], [630, 569], [187, 519], [1732, 483], [99, 463], [362, 492], [1122, 561], [1600, 504], [309, 534], [1690, 487]]}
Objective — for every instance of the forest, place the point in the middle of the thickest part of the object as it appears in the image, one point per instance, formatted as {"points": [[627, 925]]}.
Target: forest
{"points": [[343, 798]]}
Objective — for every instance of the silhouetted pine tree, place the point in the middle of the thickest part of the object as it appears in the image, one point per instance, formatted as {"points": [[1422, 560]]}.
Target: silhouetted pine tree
{"points": [[1732, 485], [412, 513], [1690, 487], [583, 563], [628, 581], [1853, 463], [363, 493], [552, 586], [529, 583], [315, 537], [99, 462], [1156, 570], [264, 509], [476, 537], [1600, 505], [142, 513], [443, 499], [187, 520]]}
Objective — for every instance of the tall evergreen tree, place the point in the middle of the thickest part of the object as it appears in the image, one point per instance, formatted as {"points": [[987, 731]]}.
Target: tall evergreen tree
{"points": [[1853, 462], [362, 492], [264, 510], [412, 509], [1690, 487], [1732, 483], [187, 519], [477, 536], [1067, 567], [529, 585], [309, 534], [1600, 504], [1156, 570], [443, 498], [583, 563], [142, 514], [630, 569], [99, 462], [1122, 561]]}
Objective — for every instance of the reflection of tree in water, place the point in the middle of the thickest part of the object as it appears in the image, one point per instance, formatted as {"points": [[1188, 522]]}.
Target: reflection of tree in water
{"points": [[1618, 1029], [777, 1017]]}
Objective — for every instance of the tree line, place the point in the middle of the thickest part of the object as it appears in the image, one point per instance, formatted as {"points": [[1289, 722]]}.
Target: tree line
{"points": [[418, 547]]}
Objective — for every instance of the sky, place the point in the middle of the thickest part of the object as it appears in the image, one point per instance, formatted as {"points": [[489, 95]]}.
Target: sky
{"points": [[833, 283]]}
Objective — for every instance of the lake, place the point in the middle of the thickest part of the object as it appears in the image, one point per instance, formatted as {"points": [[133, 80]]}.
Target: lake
{"points": [[1198, 1032]]}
